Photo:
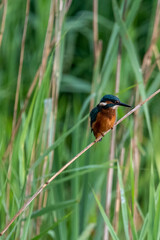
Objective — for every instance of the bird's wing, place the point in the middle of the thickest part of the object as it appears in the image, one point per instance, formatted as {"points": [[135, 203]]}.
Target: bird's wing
{"points": [[93, 115]]}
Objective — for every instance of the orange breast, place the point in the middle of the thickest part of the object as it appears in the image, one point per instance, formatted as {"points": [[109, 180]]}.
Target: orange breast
{"points": [[105, 120]]}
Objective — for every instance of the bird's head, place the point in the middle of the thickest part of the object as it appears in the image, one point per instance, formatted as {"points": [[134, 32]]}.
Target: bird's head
{"points": [[111, 101]]}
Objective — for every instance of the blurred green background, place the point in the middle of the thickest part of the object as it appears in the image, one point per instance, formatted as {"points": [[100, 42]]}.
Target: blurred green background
{"points": [[57, 59]]}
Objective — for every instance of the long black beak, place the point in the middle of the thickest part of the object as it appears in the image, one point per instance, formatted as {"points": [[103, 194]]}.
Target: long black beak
{"points": [[123, 104]]}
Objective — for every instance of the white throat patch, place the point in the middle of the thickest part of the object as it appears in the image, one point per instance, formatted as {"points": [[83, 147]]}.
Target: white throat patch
{"points": [[115, 107]]}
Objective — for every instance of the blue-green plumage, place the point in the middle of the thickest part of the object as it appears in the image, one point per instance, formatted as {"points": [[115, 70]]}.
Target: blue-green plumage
{"points": [[93, 115], [110, 97]]}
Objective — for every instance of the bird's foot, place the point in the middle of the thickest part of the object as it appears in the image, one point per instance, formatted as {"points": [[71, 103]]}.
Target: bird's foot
{"points": [[97, 140]]}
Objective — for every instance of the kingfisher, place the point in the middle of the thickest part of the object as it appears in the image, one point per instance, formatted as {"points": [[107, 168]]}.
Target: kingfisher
{"points": [[103, 116]]}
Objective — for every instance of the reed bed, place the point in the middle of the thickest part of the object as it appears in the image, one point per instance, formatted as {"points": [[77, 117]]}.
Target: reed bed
{"points": [[58, 58]]}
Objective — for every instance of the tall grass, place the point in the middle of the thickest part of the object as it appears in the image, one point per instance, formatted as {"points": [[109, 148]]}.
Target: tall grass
{"points": [[54, 69]]}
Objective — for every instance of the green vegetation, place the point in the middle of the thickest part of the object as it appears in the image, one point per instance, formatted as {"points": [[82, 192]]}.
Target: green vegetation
{"points": [[57, 61]]}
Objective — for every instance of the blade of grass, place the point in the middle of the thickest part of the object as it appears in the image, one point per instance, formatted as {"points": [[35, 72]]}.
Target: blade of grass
{"points": [[87, 232], [123, 204], [156, 228], [133, 12], [106, 219], [132, 224], [151, 209], [26, 233], [54, 207], [132, 178], [51, 227], [144, 229]]}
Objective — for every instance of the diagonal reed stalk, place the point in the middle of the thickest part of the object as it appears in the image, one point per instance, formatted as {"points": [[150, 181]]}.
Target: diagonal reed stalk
{"points": [[71, 161]]}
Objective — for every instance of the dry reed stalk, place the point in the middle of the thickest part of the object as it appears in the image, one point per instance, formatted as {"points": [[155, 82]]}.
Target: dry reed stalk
{"points": [[21, 64], [152, 67], [134, 141], [71, 161], [109, 182], [157, 56], [96, 41], [60, 9], [97, 55], [126, 170], [113, 138], [95, 30], [57, 10], [118, 196], [155, 34], [3, 20], [17, 94], [39, 202], [68, 4], [47, 42], [28, 192], [137, 122], [46, 51]]}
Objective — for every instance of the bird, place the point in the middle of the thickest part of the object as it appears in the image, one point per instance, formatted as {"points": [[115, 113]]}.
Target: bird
{"points": [[103, 116]]}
